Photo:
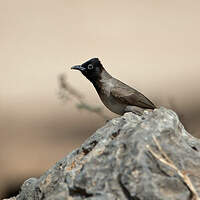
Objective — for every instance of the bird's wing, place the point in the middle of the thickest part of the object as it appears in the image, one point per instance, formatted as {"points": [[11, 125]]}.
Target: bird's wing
{"points": [[127, 95]]}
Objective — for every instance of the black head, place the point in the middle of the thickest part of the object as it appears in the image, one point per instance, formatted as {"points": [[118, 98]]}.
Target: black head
{"points": [[91, 69]]}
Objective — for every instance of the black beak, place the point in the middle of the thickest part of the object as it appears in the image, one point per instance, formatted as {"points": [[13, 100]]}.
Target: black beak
{"points": [[78, 67]]}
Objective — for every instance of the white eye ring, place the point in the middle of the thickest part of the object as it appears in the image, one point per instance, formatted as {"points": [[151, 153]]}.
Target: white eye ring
{"points": [[90, 66]]}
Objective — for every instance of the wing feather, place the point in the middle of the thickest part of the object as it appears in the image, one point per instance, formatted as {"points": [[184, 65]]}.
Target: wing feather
{"points": [[130, 96]]}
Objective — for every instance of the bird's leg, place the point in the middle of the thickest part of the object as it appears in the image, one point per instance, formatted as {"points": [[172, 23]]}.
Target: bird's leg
{"points": [[134, 109]]}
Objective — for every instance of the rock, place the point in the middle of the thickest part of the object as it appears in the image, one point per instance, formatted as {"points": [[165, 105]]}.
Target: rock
{"points": [[149, 157]]}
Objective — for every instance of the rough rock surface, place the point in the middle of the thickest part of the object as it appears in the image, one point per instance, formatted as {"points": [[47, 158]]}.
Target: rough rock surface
{"points": [[149, 157]]}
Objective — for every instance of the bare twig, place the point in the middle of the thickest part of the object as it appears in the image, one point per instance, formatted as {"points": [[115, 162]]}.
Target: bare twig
{"points": [[166, 160], [66, 92], [65, 86]]}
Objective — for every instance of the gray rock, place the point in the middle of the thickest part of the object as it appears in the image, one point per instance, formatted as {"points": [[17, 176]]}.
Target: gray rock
{"points": [[149, 157]]}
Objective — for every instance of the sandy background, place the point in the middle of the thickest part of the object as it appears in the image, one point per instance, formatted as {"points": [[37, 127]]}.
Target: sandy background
{"points": [[151, 45]]}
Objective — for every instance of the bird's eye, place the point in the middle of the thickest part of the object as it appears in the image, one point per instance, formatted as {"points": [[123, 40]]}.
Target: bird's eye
{"points": [[90, 66]]}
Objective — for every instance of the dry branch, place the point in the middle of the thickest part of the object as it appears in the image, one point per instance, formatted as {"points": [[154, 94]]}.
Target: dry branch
{"points": [[67, 92], [167, 161]]}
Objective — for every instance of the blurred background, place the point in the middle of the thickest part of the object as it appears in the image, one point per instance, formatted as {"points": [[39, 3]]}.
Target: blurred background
{"points": [[153, 46]]}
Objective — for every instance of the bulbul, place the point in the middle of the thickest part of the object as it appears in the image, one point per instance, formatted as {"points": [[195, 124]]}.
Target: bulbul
{"points": [[115, 95]]}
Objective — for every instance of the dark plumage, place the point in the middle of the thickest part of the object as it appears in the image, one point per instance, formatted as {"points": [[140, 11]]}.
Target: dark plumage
{"points": [[116, 96]]}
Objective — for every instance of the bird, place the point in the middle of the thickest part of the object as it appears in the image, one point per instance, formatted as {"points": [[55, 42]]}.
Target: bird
{"points": [[117, 96]]}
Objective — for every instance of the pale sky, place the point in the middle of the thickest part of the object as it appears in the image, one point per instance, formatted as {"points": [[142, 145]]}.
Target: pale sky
{"points": [[152, 45]]}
